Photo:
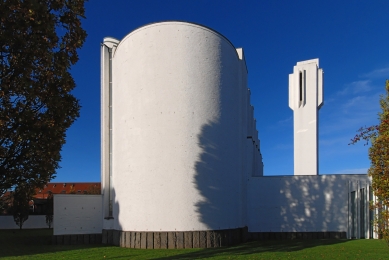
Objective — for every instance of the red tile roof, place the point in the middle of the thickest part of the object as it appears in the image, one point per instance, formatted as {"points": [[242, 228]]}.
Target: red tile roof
{"points": [[66, 188]]}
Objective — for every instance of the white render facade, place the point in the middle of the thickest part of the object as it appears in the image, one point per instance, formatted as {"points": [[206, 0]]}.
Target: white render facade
{"points": [[305, 99], [178, 134], [181, 165], [317, 203]]}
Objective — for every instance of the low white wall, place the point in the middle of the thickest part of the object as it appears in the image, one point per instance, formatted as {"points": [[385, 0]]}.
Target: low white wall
{"points": [[33, 221], [77, 214], [302, 203]]}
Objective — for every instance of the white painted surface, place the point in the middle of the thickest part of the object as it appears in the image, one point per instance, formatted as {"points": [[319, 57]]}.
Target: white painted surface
{"points": [[108, 48], [77, 214], [305, 106], [33, 221], [303, 203], [179, 130]]}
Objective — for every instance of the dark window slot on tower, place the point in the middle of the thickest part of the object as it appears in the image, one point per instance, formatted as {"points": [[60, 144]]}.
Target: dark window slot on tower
{"points": [[301, 86]]}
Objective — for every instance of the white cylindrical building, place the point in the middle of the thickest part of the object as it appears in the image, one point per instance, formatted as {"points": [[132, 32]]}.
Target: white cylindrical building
{"points": [[173, 95]]}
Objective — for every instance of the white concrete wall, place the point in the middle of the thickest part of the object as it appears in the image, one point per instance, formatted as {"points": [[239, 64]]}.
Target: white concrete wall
{"points": [[176, 130], [305, 99], [302, 203], [77, 214], [33, 221], [179, 135]]}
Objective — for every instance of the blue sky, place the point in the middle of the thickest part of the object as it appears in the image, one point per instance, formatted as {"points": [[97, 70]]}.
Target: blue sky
{"points": [[350, 38]]}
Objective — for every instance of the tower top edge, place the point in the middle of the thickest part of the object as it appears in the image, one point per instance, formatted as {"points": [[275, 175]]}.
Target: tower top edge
{"points": [[316, 61], [173, 22]]}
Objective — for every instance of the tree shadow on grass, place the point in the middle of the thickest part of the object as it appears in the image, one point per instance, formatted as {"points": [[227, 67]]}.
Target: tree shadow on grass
{"points": [[14, 242], [257, 247]]}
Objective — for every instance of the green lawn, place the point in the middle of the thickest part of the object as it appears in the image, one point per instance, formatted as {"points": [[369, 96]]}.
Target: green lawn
{"points": [[34, 244]]}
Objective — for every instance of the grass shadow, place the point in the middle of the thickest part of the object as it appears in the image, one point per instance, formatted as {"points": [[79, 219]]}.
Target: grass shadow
{"points": [[25, 242], [257, 247], [35, 244]]}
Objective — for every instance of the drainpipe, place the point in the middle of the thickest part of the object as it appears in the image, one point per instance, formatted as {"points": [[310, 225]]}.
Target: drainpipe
{"points": [[110, 133], [109, 47]]}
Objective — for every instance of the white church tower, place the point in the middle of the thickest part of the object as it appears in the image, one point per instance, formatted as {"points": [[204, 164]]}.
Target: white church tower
{"points": [[305, 99]]}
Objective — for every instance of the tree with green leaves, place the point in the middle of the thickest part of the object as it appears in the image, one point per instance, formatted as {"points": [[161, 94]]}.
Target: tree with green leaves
{"points": [[38, 45], [20, 203], [5, 202], [94, 189], [378, 136]]}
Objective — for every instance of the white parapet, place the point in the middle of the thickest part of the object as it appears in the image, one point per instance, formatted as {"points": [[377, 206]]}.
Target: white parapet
{"points": [[305, 99]]}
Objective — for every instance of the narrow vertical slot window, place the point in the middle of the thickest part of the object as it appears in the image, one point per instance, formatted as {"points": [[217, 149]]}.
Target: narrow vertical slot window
{"points": [[362, 213], [371, 214], [353, 216], [304, 85], [300, 88]]}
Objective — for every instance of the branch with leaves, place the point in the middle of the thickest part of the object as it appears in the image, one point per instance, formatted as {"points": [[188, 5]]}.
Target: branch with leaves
{"points": [[38, 45], [366, 133], [378, 136]]}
